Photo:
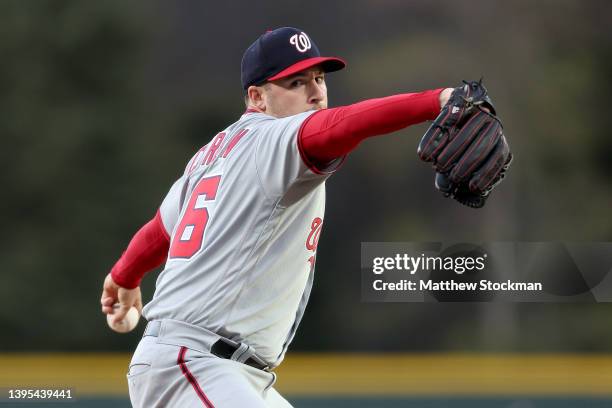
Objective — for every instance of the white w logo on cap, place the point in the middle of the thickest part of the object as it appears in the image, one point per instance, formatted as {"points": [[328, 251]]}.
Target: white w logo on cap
{"points": [[301, 41]]}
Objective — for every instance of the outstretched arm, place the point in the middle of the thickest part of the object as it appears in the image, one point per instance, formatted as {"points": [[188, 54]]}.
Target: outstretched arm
{"points": [[146, 251], [332, 133]]}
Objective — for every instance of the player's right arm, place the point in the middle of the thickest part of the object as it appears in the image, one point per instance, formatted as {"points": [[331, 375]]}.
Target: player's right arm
{"points": [[147, 250]]}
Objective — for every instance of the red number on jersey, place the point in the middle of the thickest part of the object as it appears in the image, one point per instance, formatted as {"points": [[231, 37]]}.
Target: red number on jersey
{"points": [[188, 237]]}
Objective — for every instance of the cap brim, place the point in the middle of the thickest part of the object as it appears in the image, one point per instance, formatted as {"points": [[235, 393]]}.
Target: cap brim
{"points": [[329, 64]]}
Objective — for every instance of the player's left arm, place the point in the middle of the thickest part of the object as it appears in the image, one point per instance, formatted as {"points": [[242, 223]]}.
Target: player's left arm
{"points": [[332, 133]]}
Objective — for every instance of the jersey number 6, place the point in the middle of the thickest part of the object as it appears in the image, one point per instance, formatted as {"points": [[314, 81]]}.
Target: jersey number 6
{"points": [[187, 239]]}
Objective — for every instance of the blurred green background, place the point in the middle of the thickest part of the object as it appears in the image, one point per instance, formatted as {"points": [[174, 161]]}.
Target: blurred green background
{"points": [[103, 103]]}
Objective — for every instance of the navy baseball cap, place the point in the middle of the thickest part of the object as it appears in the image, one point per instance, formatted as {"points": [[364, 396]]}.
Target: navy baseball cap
{"points": [[281, 53]]}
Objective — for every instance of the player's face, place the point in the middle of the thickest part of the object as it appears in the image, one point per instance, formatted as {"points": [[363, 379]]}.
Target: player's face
{"points": [[295, 94]]}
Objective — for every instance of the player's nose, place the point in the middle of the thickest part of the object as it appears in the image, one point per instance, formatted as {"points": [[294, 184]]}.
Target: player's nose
{"points": [[317, 92]]}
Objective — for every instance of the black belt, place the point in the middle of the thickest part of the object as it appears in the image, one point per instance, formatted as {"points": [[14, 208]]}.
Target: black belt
{"points": [[226, 350], [221, 347]]}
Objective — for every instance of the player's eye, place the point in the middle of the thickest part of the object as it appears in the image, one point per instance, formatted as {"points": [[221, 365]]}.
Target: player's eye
{"points": [[320, 79], [296, 83]]}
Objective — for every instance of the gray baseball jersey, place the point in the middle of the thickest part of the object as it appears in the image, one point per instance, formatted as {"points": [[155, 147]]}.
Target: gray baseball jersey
{"points": [[244, 222]]}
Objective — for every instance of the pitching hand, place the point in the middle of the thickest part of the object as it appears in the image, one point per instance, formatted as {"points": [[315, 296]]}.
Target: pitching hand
{"points": [[113, 293]]}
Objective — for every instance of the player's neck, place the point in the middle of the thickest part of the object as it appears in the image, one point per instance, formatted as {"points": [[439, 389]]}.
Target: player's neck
{"points": [[253, 109]]}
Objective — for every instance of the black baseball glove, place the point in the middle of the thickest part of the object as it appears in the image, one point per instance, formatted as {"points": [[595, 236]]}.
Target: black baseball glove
{"points": [[467, 146]]}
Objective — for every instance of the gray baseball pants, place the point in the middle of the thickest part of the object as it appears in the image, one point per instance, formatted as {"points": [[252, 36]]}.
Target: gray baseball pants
{"points": [[173, 367]]}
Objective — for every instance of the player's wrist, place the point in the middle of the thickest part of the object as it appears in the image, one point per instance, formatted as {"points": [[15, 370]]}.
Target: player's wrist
{"points": [[445, 96]]}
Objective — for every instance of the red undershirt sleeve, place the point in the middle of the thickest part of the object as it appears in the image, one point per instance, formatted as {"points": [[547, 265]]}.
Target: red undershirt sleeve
{"points": [[146, 251], [332, 133]]}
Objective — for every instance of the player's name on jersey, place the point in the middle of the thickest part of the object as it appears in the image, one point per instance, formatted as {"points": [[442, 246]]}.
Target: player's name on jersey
{"points": [[452, 285], [215, 149]]}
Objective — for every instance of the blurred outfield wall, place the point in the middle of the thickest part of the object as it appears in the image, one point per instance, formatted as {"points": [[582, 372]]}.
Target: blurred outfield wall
{"points": [[368, 380]]}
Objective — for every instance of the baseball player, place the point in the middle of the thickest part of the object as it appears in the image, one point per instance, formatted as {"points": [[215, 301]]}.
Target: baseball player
{"points": [[239, 230]]}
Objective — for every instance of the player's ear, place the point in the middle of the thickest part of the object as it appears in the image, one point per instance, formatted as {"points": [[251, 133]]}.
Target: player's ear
{"points": [[255, 96]]}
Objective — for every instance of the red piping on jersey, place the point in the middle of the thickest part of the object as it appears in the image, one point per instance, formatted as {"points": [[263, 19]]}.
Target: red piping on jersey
{"points": [[192, 380], [147, 250], [332, 133]]}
